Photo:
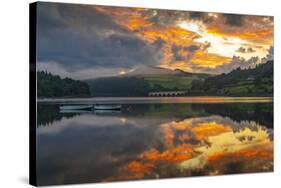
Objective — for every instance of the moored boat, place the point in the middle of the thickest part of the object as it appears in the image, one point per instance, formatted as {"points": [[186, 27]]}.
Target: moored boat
{"points": [[76, 107], [76, 111], [107, 112], [107, 107]]}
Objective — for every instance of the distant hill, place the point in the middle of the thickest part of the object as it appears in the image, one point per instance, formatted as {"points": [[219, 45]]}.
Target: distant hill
{"points": [[247, 82], [49, 85], [142, 81], [119, 86], [144, 70], [257, 81]]}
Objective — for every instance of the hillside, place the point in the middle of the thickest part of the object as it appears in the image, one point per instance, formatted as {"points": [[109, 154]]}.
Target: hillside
{"points": [[119, 86], [147, 71], [257, 81], [248, 82], [142, 84], [171, 83], [49, 85]]}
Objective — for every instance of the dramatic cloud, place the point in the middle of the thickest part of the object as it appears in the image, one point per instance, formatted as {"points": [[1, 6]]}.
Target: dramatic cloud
{"points": [[79, 37], [233, 19], [255, 29], [83, 38], [238, 62]]}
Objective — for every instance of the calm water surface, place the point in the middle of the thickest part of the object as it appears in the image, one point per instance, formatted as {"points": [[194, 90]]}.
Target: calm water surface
{"points": [[149, 140]]}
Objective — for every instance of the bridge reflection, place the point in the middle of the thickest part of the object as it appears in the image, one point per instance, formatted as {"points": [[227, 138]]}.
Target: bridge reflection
{"points": [[166, 93]]}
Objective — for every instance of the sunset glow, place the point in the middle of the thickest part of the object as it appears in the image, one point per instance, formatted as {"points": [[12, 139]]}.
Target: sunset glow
{"points": [[121, 39], [202, 43], [140, 93], [220, 142]]}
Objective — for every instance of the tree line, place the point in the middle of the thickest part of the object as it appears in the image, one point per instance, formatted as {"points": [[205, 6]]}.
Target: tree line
{"points": [[244, 82], [49, 85], [239, 82]]}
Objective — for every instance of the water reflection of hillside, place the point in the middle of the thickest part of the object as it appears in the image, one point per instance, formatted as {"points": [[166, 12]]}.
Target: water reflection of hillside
{"points": [[259, 112], [47, 114], [93, 148]]}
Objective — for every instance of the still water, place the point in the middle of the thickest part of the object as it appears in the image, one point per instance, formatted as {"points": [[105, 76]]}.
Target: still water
{"points": [[153, 140]]}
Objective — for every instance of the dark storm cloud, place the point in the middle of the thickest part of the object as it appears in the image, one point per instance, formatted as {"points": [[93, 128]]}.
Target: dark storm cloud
{"points": [[192, 48], [79, 37], [166, 17], [177, 56], [158, 43], [201, 16], [233, 19], [101, 152], [196, 15]]}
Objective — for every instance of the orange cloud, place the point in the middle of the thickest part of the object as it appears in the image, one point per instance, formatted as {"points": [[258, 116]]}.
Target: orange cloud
{"points": [[257, 31], [255, 159], [176, 154], [138, 168], [205, 59], [264, 36], [218, 146], [148, 161], [204, 130], [133, 19], [262, 151]]}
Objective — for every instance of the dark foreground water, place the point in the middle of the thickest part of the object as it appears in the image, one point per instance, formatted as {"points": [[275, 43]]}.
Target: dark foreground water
{"points": [[154, 140]]}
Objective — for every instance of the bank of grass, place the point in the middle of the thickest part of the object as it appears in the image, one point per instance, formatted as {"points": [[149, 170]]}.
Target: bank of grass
{"points": [[182, 83], [247, 87]]}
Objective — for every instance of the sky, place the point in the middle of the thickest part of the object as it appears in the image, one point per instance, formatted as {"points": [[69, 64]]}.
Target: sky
{"points": [[87, 41]]}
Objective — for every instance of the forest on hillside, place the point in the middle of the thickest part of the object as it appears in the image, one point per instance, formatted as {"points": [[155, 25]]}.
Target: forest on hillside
{"points": [[239, 82], [49, 85]]}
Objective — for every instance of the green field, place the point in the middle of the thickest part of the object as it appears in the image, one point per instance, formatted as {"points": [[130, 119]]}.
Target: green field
{"points": [[246, 87], [182, 83]]}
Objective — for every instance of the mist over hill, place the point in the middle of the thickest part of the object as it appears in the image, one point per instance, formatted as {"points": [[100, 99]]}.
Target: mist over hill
{"points": [[239, 82], [145, 70]]}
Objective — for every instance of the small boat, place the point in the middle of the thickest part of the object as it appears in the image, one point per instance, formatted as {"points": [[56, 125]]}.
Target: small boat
{"points": [[76, 111], [107, 107], [107, 112], [76, 107]]}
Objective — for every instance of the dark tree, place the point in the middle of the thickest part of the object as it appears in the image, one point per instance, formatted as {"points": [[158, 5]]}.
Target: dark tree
{"points": [[49, 85]]}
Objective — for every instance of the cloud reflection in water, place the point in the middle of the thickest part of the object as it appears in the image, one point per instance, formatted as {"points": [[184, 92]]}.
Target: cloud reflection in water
{"points": [[204, 146], [97, 148]]}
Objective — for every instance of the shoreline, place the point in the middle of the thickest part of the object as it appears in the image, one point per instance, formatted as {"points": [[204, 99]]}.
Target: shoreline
{"points": [[143, 100]]}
